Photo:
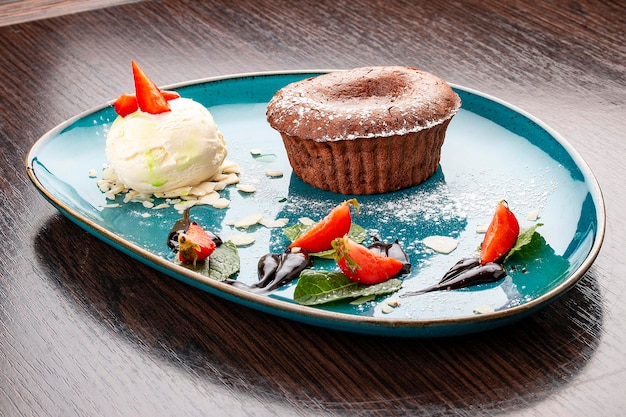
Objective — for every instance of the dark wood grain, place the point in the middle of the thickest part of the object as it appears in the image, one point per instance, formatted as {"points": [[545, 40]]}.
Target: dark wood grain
{"points": [[18, 11], [85, 330]]}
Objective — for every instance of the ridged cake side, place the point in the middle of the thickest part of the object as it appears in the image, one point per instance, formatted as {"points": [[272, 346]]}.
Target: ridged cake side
{"points": [[367, 166]]}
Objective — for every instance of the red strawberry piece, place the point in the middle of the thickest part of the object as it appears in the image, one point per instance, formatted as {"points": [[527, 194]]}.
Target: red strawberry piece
{"points": [[125, 104], [195, 245], [501, 234], [149, 97], [363, 265], [170, 95], [335, 225]]}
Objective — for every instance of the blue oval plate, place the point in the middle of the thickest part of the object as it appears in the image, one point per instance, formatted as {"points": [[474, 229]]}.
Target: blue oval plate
{"points": [[492, 151]]}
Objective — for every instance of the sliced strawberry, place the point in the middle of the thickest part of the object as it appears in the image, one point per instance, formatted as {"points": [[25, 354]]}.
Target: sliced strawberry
{"points": [[149, 97], [170, 95], [501, 234], [336, 224], [195, 245], [125, 104], [363, 265]]}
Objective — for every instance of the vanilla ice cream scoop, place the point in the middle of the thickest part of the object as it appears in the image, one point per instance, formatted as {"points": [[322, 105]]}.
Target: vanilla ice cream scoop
{"points": [[153, 153]]}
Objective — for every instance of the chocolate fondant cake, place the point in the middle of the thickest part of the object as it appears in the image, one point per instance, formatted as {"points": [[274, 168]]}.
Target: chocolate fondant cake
{"points": [[364, 131]]}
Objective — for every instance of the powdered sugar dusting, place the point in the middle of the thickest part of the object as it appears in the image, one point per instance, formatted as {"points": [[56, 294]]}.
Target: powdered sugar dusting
{"points": [[362, 103], [431, 206]]}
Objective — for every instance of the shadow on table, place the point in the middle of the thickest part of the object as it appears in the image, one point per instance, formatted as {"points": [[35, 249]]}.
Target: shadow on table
{"points": [[316, 369]]}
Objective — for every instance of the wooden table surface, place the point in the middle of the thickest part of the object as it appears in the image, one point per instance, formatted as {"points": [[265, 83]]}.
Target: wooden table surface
{"points": [[87, 331]]}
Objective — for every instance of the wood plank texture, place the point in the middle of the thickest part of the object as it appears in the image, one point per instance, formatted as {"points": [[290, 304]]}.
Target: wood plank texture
{"points": [[19, 11], [86, 331]]}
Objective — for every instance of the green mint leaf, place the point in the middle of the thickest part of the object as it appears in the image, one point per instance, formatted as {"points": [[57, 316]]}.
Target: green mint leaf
{"points": [[295, 231], [357, 233], [526, 241], [223, 262], [327, 254], [536, 268], [319, 287]]}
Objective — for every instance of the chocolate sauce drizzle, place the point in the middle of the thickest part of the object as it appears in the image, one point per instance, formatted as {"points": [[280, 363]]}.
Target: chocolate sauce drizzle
{"points": [[465, 273]]}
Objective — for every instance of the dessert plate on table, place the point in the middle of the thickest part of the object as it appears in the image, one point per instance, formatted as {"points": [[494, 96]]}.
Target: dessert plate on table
{"points": [[492, 151]]}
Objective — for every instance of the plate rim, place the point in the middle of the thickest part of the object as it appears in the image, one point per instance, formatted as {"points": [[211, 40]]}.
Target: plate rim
{"points": [[310, 314]]}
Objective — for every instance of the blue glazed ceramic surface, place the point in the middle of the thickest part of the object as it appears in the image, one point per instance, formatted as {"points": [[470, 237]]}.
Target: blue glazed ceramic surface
{"points": [[492, 151]]}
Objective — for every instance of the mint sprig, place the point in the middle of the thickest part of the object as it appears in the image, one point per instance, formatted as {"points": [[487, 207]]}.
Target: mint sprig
{"points": [[526, 242], [221, 264], [320, 287]]}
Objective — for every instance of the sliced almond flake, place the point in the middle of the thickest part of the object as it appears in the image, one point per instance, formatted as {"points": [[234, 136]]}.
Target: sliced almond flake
{"points": [[248, 221], [246, 188], [231, 179], [306, 221], [174, 193], [386, 308], [273, 223], [104, 185], [241, 239], [145, 215], [112, 205], [203, 188], [140, 200], [93, 173], [484, 309], [273, 173], [182, 206], [441, 244], [209, 198], [148, 204], [161, 206], [230, 167], [110, 195], [108, 174], [482, 228], [256, 151], [137, 197], [533, 215], [130, 195], [197, 192], [117, 188], [393, 302], [220, 185], [220, 176], [221, 203], [107, 183]]}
